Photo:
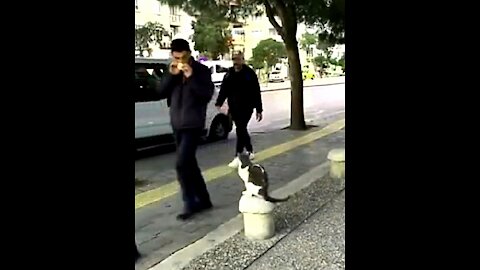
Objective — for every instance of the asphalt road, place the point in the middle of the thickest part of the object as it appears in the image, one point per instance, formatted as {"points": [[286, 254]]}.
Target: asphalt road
{"points": [[319, 102]]}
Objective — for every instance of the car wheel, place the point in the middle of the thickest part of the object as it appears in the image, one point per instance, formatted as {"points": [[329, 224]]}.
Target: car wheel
{"points": [[219, 128]]}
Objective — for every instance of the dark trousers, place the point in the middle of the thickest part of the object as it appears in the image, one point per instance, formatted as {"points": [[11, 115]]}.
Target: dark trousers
{"points": [[241, 119], [194, 189]]}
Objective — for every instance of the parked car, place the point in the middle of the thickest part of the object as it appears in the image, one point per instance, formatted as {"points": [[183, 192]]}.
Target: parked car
{"points": [[152, 118], [218, 69], [276, 76]]}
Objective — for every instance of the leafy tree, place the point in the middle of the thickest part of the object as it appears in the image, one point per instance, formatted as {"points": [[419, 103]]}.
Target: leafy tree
{"points": [[307, 41], [150, 33], [341, 62], [323, 44], [269, 51], [257, 63], [331, 21], [319, 60], [328, 15], [334, 61], [211, 36]]}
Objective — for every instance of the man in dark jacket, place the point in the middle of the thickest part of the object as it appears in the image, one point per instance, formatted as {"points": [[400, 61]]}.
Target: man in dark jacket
{"points": [[241, 88], [188, 89]]}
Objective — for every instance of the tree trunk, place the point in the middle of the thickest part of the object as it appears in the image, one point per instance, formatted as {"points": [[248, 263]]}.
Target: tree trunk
{"points": [[297, 117], [288, 31]]}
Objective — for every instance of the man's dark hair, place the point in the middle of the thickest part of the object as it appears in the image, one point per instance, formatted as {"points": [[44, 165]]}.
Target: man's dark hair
{"points": [[180, 45]]}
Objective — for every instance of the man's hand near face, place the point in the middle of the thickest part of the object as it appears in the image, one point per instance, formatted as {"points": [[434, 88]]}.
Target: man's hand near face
{"points": [[173, 68]]}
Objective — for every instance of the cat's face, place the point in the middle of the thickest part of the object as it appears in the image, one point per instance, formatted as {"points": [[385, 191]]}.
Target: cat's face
{"points": [[244, 160]]}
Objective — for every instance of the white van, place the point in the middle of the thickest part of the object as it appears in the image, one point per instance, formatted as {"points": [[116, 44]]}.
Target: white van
{"points": [[152, 118], [218, 69]]}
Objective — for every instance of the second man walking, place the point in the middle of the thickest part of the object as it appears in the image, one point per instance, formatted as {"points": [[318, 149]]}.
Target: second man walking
{"points": [[241, 89]]}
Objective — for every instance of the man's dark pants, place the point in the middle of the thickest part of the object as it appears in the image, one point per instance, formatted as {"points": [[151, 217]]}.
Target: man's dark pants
{"points": [[194, 189], [241, 119]]}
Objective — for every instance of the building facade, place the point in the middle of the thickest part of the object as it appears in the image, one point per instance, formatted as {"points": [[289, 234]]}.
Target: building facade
{"points": [[175, 21], [246, 34]]}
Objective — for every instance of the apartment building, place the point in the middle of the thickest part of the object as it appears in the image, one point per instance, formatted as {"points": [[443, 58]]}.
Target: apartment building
{"points": [[173, 19], [248, 33]]}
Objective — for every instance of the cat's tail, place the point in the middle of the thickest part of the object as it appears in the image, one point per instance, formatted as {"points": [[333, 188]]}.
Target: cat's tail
{"points": [[275, 200]]}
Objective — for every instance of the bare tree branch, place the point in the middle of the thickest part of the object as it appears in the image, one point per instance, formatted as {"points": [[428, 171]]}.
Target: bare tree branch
{"points": [[271, 17], [287, 14]]}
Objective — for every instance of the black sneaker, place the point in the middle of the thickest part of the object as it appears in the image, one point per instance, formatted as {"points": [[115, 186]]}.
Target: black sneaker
{"points": [[205, 206], [188, 213]]}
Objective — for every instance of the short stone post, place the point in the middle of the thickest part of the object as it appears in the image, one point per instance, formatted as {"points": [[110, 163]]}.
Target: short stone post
{"points": [[258, 218], [337, 163]]}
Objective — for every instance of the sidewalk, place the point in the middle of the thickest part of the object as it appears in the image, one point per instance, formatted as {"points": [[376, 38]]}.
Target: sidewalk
{"points": [[307, 83], [309, 233], [159, 234], [157, 231]]}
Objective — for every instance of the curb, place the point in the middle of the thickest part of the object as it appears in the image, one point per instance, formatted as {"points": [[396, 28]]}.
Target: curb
{"points": [[183, 257], [316, 85]]}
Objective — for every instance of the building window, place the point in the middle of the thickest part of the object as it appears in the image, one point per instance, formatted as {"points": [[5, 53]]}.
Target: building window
{"points": [[310, 52], [173, 10], [174, 15], [173, 30], [136, 4], [159, 7], [145, 77], [272, 32], [238, 32], [175, 19], [165, 45], [221, 69]]}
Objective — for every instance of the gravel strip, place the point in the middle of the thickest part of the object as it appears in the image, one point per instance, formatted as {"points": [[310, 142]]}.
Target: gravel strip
{"points": [[319, 243], [237, 253]]}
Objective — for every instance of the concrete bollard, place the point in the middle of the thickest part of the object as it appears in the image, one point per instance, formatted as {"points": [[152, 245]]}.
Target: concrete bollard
{"points": [[258, 220], [337, 163]]}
